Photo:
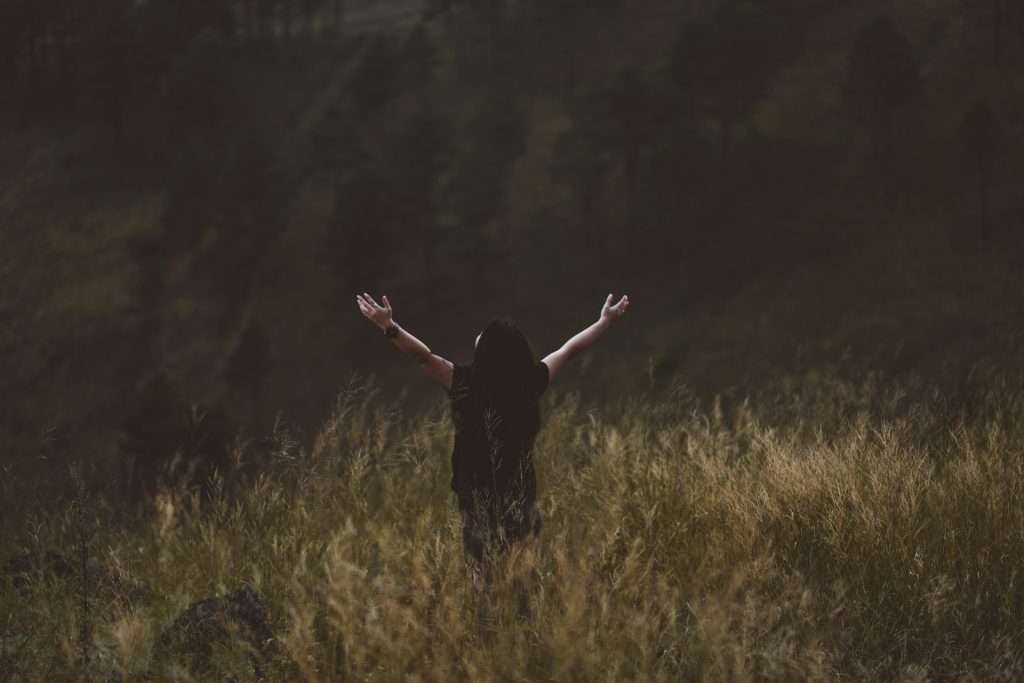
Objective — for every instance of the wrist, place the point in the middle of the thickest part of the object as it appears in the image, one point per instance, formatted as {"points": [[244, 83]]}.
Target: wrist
{"points": [[386, 324]]}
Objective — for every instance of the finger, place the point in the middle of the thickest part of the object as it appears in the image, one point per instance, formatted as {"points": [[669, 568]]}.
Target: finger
{"points": [[371, 299], [387, 304]]}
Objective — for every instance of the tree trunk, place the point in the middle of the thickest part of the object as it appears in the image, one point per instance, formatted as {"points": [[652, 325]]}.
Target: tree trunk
{"points": [[261, 19], [247, 20], [310, 12], [630, 164], [726, 133], [286, 10], [984, 191], [997, 33], [886, 154], [494, 36]]}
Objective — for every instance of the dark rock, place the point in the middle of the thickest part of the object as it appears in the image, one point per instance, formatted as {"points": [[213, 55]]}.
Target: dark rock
{"points": [[21, 569], [238, 615], [28, 568]]}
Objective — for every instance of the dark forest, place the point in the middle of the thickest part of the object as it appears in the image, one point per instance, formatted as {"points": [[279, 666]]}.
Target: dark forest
{"points": [[815, 207]]}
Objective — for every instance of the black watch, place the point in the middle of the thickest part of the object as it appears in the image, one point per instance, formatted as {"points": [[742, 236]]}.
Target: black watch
{"points": [[391, 330]]}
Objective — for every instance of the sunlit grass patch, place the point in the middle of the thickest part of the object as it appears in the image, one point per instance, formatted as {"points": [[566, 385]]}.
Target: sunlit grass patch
{"points": [[861, 534]]}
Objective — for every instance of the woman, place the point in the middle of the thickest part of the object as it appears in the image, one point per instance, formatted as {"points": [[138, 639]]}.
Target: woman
{"points": [[495, 411]]}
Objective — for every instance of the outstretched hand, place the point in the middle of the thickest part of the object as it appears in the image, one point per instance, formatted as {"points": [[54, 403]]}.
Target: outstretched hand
{"points": [[374, 312], [611, 312]]}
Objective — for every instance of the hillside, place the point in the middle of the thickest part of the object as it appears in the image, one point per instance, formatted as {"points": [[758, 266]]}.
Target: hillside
{"points": [[183, 234]]}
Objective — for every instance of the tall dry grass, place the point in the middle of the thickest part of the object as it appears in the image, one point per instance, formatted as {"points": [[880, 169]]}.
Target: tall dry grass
{"points": [[818, 531]]}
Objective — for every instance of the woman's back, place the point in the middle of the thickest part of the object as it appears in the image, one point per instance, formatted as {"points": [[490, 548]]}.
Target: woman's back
{"points": [[492, 460]]}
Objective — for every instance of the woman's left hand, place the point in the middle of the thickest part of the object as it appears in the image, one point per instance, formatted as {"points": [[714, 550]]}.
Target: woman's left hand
{"points": [[377, 314]]}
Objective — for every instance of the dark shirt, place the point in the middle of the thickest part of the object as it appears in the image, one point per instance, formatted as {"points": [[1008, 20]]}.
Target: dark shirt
{"points": [[502, 473]]}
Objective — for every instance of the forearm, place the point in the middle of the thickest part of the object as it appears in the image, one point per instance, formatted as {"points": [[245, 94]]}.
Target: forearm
{"points": [[581, 340], [410, 345]]}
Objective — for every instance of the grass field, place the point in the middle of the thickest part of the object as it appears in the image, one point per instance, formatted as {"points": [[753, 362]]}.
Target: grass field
{"points": [[819, 531]]}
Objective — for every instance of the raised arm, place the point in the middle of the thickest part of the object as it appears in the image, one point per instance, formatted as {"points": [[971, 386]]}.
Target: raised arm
{"points": [[434, 365], [581, 340]]}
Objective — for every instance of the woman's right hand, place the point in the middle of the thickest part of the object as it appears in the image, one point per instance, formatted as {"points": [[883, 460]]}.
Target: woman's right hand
{"points": [[611, 312], [374, 312]]}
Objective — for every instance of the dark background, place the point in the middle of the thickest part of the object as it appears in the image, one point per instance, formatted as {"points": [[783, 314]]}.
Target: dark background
{"points": [[192, 191]]}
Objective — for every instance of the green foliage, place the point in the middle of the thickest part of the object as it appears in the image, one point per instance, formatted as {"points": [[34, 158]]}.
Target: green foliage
{"points": [[980, 130], [106, 80], [613, 122], [173, 166], [252, 211], [361, 230], [375, 78], [228, 217], [187, 18], [419, 57], [882, 85], [417, 163], [339, 148], [558, 23], [493, 137], [419, 155], [724, 61], [192, 197], [981, 135], [165, 29], [154, 429], [249, 362], [883, 81], [196, 94], [542, 240]]}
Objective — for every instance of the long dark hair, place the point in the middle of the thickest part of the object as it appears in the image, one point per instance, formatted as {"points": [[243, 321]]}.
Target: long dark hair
{"points": [[501, 369]]}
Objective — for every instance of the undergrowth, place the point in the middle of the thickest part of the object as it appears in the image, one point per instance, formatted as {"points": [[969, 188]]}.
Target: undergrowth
{"points": [[819, 531]]}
